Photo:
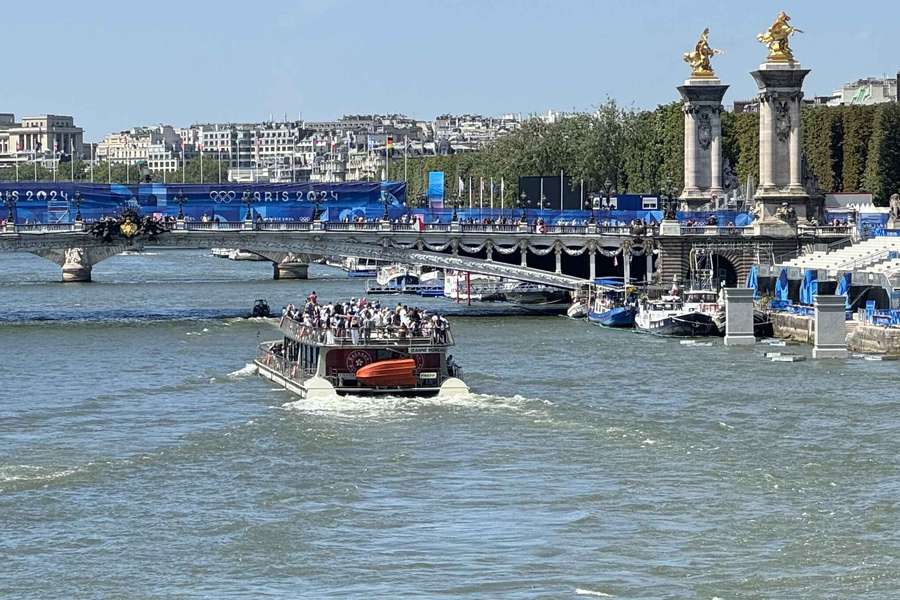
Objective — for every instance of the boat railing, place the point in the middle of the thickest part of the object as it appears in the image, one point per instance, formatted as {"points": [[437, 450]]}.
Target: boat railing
{"points": [[267, 356], [380, 336]]}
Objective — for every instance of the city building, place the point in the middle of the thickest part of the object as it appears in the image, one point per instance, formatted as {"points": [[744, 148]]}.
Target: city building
{"points": [[44, 138], [872, 90], [155, 148]]}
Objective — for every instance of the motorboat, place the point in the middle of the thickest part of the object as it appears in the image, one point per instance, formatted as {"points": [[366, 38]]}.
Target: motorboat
{"points": [[672, 315], [614, 304], [530, 293], [360, 267], [261, 308], [245, 255]]}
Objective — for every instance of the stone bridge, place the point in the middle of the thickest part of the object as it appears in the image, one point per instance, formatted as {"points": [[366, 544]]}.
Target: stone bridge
{"points": [[511, 251]]}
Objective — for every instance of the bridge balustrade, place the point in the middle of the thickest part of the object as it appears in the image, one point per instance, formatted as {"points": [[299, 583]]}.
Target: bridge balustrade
{"points": [[49, 227], [212, 225], [285, 226]]}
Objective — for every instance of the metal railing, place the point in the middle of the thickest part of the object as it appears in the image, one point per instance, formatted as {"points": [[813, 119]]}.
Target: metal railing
{"points": [[382, 336]]}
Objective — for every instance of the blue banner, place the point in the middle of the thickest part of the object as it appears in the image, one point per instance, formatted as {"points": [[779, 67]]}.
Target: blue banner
{"points": [[55, 202], [436, 189]]}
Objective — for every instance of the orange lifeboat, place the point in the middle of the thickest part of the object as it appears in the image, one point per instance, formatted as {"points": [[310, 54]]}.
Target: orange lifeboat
{"points": [[388, 373]]}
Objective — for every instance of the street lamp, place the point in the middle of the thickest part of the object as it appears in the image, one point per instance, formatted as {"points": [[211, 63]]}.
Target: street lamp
{"points": [[592, 200], [523, 202], [247, 199], [668, 193], [385, 202], [78, 207], [10, 203], [454, 217], [180, 199], [316, 210]]}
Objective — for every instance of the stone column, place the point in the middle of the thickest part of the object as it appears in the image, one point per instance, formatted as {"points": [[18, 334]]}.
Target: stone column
{"points": [[558, 253], [77, 266], [796, 176], [523, 252], [649, 277], [626, 265], [739, 317], [831, 327], [592, 264], [780, 177], [702, 139]]}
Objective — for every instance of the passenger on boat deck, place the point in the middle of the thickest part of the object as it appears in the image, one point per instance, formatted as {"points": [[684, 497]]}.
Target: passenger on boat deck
{"points": [[361, 320]]}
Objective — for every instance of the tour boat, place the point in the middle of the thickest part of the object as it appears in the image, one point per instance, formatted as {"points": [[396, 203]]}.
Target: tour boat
{"points": [[613, 305], [532, 293], [673, 316], [360, 267], [316, 365]]}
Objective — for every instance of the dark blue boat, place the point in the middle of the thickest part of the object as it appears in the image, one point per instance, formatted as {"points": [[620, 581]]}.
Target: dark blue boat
{"points": [[614, 304], [619, 316]]}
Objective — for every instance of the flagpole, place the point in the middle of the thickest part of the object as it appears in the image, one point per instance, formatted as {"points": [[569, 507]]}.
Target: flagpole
{"points": [[480, 196], [72, 157], [108, 168], [492, 197], [183, 164], [93, 149], [220, 163], [201, 163], [405, 159], [561, 187], [502, 196], [470, 192]]}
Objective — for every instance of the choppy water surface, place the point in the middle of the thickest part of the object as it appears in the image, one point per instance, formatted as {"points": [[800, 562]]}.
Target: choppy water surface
{"points": [[140, 458]]}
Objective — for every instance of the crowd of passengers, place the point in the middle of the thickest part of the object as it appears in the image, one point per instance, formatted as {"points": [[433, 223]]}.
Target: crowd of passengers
{"points": [[360, 321]]}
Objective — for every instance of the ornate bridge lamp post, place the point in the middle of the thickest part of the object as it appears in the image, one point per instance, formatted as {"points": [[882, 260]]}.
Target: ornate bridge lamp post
{"points": [[78, 207], [180, 199], [385, 202], [670, 224], [247, 199], [523, 202], [10, 214]]}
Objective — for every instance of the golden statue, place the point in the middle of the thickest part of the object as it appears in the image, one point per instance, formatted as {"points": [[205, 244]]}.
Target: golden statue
{"points": [[699, 57], [776, 38]]}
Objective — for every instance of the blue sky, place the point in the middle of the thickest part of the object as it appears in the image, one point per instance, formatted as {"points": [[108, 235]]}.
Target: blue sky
{"points": [[114, 64]]}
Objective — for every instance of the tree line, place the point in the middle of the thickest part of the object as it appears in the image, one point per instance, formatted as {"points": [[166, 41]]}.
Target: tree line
{"points": [[847, 149]]}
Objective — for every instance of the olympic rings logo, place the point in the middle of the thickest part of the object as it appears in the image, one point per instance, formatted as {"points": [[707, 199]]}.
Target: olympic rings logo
{"points": [[223, 197]]}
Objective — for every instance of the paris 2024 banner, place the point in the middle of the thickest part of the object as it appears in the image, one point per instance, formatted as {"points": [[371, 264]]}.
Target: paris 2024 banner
{"points": [[58, 202]]}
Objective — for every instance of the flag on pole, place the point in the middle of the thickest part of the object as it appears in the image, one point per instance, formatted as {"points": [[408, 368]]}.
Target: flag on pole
{"points": [[200, 148], [492, 194], [460, 185]]}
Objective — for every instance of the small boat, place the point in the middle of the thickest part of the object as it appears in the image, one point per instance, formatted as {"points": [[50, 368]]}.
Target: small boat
{"points": [[220, 252], [245, 255], [398, 372], [261, 308], [360, 267], [672, 316], [577, 310], [530, 293], [614, 304]]}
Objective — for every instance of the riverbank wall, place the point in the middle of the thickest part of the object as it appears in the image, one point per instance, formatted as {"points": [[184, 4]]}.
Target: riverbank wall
{"points": [[869, 339]]}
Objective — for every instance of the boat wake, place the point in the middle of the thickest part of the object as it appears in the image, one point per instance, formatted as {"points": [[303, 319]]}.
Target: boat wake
{"points": [[362, 407], [247, 370]]}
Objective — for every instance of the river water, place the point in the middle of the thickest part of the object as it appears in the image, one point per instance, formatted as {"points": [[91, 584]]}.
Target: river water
{"points": [[140, 458]]}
